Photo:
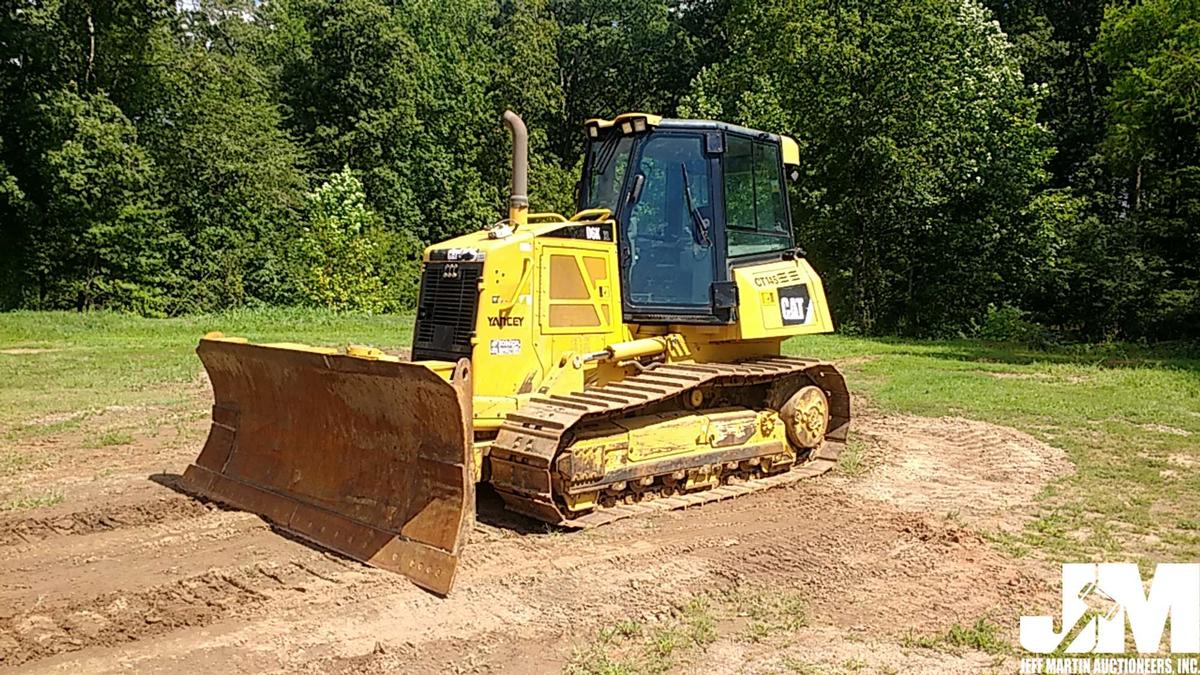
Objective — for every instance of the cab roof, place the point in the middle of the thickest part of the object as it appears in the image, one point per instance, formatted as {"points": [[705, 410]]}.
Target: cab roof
{"points": [[790, 149]]}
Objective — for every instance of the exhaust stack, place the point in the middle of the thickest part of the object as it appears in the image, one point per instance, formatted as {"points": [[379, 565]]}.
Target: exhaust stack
{"points": [[518, 201]]}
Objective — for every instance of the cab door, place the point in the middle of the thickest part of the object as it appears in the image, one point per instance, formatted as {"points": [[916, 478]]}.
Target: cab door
{"points": [[668, 252]]}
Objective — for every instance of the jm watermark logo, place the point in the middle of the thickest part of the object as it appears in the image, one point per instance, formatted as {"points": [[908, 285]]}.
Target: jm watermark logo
{"points": [[1107, 609]]}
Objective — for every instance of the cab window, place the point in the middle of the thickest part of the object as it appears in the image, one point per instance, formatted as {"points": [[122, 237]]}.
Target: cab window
{"points": [[607, 163], [671, 257], [755, 208]]}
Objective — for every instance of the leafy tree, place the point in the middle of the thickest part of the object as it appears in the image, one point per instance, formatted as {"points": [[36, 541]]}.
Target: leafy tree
{"points": [[12, 216], [1116, 80], [955, 178], [342, 255], [912, 185], [67, 213], [618, 56], [207, 165], [338, 250], [231, 177], [1152, 49], [99, 237], [1053, 40], [398, 94], [527, 79]]}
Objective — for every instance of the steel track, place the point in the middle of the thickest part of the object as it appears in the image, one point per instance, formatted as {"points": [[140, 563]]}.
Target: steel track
{"points": [[523, 455]]}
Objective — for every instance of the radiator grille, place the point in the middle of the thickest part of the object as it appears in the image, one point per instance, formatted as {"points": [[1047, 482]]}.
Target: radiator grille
{"points": [[446, 310]]}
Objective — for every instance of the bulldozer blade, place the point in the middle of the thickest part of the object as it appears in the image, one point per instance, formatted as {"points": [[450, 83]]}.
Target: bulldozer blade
{"points": [[368, 457]]}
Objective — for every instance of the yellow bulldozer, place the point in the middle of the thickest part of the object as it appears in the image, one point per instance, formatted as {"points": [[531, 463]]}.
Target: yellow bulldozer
{"points": [[624, 360]]}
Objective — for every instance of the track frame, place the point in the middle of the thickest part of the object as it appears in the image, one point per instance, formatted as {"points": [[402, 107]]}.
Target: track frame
{"points": [[529, 442]]}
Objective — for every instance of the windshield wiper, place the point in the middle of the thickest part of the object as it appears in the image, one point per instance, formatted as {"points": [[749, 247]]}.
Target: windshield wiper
{"points": [[699, 224]]}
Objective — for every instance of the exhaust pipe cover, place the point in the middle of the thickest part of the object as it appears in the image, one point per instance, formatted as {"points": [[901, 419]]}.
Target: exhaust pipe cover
{"points": [[518, 201]]}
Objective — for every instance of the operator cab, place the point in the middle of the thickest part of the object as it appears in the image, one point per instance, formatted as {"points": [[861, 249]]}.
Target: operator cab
{"points": [[692, 200]]}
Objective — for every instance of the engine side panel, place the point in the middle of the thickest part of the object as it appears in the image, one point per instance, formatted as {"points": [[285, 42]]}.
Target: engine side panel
{"points": [[779, 300]]}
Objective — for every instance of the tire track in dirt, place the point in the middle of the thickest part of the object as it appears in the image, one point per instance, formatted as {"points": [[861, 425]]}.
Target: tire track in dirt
{"points": [[870, 555], [109, 517], [512, 574], [119, 617], [981, 473], [186, 563], [113, 560], [131, 556], [833, 560]]}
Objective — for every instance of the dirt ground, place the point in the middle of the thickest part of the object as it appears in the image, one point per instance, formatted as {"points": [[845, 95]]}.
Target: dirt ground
{"points": [[129, 574]]}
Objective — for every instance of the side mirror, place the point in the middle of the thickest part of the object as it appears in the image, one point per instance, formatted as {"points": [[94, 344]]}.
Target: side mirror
{"points": [[639, 182]]}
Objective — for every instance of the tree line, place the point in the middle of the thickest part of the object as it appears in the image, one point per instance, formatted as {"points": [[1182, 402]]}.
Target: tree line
{"points": [[1016, 168]]}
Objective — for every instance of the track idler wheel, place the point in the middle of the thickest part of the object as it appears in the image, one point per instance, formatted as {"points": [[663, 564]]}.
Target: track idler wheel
{"points": [[806, 417]]}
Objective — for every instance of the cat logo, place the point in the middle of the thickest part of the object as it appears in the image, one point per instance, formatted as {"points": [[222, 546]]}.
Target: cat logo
{"points": [[795, 305]]}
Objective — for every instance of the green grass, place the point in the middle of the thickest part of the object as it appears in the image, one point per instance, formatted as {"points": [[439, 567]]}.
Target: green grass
{"points": [[109, 439], [626, 629], [1127, 416], [792, 664], [69, 363], [12, 463], [29, 503], [983, 636], [700, 626], [850, 461], [630, 647], [677, 643], [769, 613]]}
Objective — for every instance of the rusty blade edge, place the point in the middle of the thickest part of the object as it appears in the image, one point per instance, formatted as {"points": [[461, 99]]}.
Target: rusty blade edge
{"points": [[429, 567]]}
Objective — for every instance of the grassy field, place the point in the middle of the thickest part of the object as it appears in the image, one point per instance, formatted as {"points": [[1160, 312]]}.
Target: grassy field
{"points": [[61, 369], [52, 363], [1128, 416]]}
